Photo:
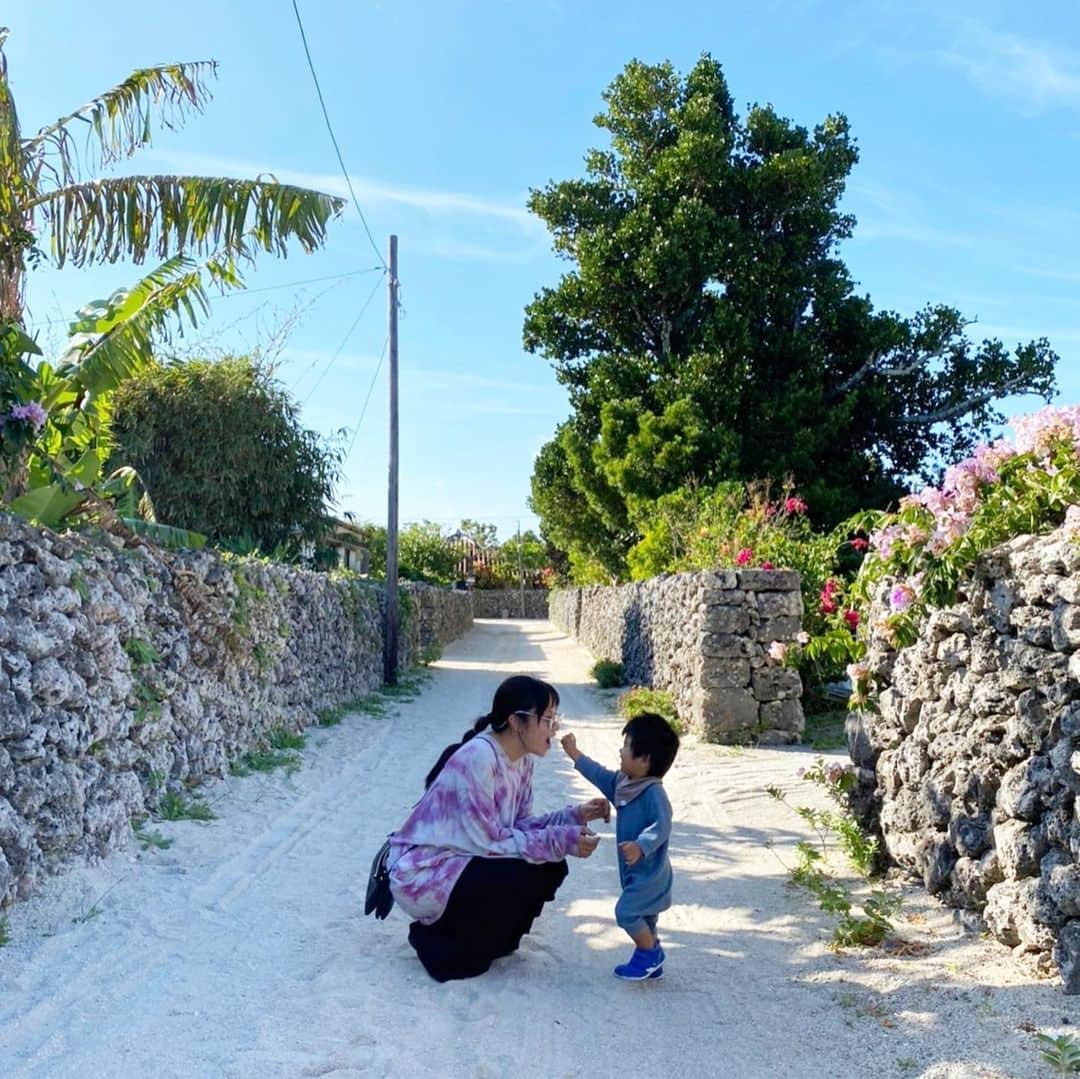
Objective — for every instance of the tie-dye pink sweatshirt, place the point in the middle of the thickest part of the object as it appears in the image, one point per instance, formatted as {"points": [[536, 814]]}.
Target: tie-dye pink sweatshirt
{"points": [[480, 804]]}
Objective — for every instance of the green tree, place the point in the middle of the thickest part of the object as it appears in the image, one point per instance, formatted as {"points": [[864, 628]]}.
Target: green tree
{"points": [[424, 553], [707, 329], [220, 449], [485, 536], [53, 206]]}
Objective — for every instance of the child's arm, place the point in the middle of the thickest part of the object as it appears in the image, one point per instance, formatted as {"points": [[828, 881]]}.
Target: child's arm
{"points": [[659, 830], [600, 777]]}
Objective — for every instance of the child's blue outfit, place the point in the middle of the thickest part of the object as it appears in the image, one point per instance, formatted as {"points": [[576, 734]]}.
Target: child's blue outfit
{"points": [[643, 816]]}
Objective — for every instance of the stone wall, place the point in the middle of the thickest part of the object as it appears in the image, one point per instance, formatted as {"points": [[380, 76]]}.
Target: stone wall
{"points": [[972, 766], [127, 671], [506, 603], [703, 638]]}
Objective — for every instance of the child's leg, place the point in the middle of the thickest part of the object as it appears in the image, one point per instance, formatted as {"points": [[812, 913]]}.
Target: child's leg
{"points": [[634, 924]]}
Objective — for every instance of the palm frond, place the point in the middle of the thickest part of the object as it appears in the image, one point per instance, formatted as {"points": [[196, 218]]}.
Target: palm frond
{"points": [[113, 339], [133, 216], [121, 120]]}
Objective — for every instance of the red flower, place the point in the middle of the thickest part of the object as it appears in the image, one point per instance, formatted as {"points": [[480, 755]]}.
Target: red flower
{"points": [[852, 619], [860, 544], [744, 556], [827, 606], [767, 565], [794, 505]]}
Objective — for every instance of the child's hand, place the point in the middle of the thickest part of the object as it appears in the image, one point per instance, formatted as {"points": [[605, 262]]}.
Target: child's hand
{"points": [[595, 808], [631, 852], [569, 744]]}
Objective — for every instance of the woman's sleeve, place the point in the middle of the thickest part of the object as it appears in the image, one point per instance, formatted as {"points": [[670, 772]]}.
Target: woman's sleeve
{"points": [[470, 794], [569, 815]]}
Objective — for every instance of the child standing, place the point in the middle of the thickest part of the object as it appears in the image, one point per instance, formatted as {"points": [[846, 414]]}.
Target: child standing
{"points": [[643, 825]]}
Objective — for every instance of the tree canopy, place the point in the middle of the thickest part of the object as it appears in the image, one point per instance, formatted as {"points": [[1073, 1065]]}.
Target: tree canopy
{"points": [[708, 329]]}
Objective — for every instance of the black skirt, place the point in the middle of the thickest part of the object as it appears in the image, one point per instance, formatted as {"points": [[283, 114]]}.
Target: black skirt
{"points": [[490, 909]]}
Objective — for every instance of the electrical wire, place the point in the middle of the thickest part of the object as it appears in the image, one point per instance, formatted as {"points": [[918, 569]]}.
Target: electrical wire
{"points": [[333, 137]]}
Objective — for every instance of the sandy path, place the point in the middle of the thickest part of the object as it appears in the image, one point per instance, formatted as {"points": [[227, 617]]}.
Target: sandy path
{"points": [[241, 950]]}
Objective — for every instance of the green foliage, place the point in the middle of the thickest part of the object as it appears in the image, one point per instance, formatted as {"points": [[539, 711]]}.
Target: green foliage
{"points": [[1061, 1053], [811, 872], [265, 760], [5, 932], [280, 738], [708, 330], [425, 554], [608, 673], [174, 806], [921, 553], [140, 652], [638, 699], [220, 447], [151, 838], [430, 654], [53, 472]]}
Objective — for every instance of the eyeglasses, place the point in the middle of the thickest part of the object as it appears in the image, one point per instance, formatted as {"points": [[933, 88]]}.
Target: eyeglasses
{"points": [[551, 722]]}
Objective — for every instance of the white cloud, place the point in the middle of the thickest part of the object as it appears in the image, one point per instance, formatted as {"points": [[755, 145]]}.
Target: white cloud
{"points": [[369, 192], [1034, 74]]}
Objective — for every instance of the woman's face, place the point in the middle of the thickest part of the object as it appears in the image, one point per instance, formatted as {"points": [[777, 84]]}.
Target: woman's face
{"points": [[537, 733]]}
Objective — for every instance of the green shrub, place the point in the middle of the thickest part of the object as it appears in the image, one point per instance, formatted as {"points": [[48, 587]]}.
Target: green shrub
{"points": [[638, 699], [608, 673], [220, 449]]}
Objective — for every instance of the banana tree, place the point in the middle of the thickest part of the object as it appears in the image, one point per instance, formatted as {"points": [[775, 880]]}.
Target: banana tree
{"points": [[53, 206]]}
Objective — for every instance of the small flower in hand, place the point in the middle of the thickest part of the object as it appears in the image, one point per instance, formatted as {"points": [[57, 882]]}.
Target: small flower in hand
{"points": [[631, 852]]}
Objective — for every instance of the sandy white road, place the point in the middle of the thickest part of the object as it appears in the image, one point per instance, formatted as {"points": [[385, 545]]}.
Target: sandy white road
{"points": [[242, 950]]}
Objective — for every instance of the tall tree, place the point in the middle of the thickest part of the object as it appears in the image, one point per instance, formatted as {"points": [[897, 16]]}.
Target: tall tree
{"points": [[708, 329]]}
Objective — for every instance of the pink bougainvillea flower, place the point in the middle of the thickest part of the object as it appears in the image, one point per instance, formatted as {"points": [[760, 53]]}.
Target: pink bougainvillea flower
{"points": [[767, 565], [901, 597], [794, 505], [860, 544], [851, 616], [744, 556]]}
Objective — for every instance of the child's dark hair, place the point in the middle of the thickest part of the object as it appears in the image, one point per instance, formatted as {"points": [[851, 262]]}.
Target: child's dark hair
{"points": [[518, 693], [653, 737]]}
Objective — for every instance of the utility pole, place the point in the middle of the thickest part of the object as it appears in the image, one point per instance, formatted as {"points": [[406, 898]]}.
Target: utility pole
{"points": [[390, 635], [521, 570]]}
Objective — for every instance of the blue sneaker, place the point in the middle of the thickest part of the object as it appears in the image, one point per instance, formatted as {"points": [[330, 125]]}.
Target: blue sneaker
{"points": [[644, 963]]}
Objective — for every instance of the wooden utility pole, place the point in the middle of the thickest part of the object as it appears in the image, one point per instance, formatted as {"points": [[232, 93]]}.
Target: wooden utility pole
{"points": [[390, 636]]}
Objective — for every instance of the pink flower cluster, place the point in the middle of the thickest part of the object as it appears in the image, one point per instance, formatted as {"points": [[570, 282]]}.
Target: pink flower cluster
{"points": [[827, 603], [795, 505], [1038, 432]]}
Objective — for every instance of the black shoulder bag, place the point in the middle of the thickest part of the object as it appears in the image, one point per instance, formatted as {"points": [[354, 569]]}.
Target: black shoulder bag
{"points": [[380, 900]]}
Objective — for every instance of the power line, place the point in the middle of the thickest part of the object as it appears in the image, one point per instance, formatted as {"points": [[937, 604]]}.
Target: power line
{"points": [[38, 323], [338, 350], [333, 138], [299, 284], [374, 379]]}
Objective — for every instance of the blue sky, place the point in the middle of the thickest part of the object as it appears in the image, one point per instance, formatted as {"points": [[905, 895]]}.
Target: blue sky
{"points": [[447, 112]]}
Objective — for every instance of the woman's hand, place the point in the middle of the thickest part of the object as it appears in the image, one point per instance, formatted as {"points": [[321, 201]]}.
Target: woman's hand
{"points": [[595, 809], [586, 844]]}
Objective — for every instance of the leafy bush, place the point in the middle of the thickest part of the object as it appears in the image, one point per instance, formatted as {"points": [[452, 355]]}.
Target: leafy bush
{"points": [[219, 447], [608, 673], [924, 550], [640, 699]]}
